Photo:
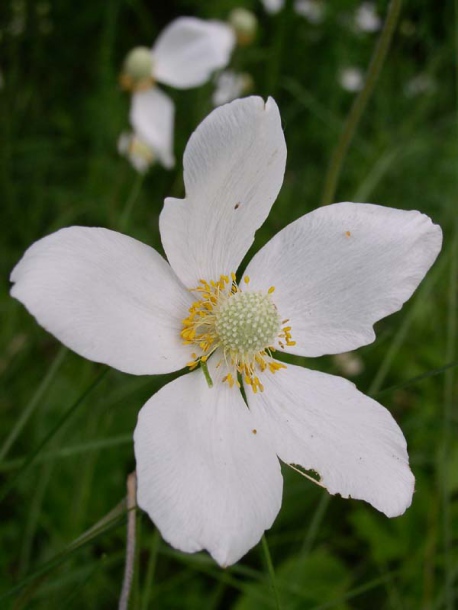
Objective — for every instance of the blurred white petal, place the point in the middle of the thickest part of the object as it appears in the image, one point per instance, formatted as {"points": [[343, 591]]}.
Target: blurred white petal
{"points": [[189, 50], [152, 115]]}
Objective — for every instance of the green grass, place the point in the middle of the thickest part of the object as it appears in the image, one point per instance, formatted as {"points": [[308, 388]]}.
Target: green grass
{"points": [[65, 442]]}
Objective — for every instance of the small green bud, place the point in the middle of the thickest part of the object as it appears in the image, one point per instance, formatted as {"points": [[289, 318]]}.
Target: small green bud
{"points": [[137, 69], [245, 24]]}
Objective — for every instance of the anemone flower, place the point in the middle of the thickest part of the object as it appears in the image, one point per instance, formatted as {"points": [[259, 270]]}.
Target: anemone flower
{"points": [[312, 10], [231, 85], [208, 444], [185, 55]]}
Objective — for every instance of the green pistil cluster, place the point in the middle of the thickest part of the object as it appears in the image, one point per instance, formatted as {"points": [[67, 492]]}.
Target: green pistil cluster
{"points": [[247, 323]]}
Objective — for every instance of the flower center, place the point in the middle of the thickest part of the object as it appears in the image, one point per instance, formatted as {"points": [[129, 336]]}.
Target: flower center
{"points": [[245, 325]]}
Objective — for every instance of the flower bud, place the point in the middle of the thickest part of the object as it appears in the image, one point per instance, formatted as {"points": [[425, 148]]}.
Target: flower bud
{"points": [[245, 24], [137, 70]]}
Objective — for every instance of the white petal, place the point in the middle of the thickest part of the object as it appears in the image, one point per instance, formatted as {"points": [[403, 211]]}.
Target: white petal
{"points": [[189, 50], [108, 297], [233, 169], [229, 86], [323, 423], [206, 477], [152, 115], [273, 6], [140, 155], [343, 267]]}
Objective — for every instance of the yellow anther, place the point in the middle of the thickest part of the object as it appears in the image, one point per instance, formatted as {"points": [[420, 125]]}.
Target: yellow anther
{"points": [[203, 329]]}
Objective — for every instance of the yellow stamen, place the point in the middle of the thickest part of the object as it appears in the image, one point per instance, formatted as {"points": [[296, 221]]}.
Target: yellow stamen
{"points": [[242, 325]]}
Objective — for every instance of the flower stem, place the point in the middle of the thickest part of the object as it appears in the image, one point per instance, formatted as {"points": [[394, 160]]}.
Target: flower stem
{"points": [[204, 368], [360, 103], [270, 569], [33, 403], [130, 543], [133, 196], [31, 457]]}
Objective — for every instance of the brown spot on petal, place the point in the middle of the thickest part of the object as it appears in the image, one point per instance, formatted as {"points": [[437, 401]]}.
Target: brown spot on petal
{"points": [[347, 233]]}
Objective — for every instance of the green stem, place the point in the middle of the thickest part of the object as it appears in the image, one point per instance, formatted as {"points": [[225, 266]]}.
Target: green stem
{"points": [[149, 578], [130, 544], [33, 403], [206, 373], [270, 569], [31, 457], [105, 524], [276, 55], [450, 400], [132, 198], [447, 428], [360, 103]]}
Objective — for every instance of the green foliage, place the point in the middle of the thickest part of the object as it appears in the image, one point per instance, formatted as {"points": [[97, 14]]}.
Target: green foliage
{"points": [[65, 441]]}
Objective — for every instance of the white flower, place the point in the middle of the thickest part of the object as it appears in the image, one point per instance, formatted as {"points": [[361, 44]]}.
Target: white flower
{"points": [[420, 84], [185, 55], [207, 466], [351, 79], [136, 151], [349, 363], [231, 85], [273, 6], [366, 18], [312, 10]]}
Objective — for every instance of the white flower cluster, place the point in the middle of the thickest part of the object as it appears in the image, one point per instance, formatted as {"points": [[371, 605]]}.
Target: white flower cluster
{"points": [[185, 55]]}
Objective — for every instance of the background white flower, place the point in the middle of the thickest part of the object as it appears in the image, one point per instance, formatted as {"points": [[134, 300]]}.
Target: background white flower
{"points": [[185, 55], [366, 18], [136, 151], [351, 79], [420, 84], [231, 85], [208, 473], [273, 6], [312, 10]]}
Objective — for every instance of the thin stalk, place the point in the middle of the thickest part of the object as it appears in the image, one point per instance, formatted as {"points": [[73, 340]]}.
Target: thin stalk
{"points": [[130, 544], [277, 49], [449, 385], [132, 198], [270, 569], [412, 380], [315, 523], [95, 445], [153, 552], [33, 403], [360, 103], [31, 457], [447, 430], [101, 527]]}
